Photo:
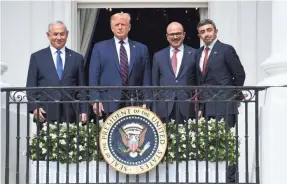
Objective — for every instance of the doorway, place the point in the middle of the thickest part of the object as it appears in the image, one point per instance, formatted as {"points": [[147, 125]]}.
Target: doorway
{"points": [[148, 26]]}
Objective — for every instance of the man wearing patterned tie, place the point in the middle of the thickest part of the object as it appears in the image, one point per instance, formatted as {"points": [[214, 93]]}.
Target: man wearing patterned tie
{"points": [[174, 66], [218, 65], [119, 61], [56, 66]]}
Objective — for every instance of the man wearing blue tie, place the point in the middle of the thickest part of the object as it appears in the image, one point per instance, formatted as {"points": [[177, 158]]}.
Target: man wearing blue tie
{"points": [[119, 61], [56, 66]]}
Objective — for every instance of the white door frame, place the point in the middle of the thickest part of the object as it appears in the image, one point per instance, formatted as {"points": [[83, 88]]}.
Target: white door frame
{"points": [[77, 5]]}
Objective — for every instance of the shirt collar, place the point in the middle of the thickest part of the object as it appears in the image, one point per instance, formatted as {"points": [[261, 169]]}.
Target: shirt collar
{"points": [[179, 48], [126, 41], [54, 50], [211, 45]]}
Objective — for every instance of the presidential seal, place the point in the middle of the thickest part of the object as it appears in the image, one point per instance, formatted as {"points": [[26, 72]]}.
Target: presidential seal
{"points": [[133, 140]]}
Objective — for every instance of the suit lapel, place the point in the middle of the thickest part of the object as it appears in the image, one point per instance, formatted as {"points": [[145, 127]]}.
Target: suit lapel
{"points": [[211, 57], [132, 55], [114, 54], [69, 58], [198, 57], [186, 54], [48, 61]]}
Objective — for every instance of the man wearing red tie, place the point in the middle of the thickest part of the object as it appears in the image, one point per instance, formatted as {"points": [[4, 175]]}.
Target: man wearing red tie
{"points": [[174, 66], [218, 65]]}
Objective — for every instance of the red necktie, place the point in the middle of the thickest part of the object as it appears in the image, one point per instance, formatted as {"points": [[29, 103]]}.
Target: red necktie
{"points": [[174, 61], [205, 61]]}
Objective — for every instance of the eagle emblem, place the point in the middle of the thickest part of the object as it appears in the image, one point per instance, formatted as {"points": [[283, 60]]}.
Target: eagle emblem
{"points": [[133, 136]]}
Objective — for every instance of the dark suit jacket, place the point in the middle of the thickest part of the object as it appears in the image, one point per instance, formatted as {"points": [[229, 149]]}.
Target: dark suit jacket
{"points": [[223, 68], [42, 73], [163, 75], [105, 71]]}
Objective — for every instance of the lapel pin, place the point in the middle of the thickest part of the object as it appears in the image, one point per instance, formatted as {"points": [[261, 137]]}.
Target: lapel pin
{"points": [[189, 52], [134, 46], [215, 52], [70, 55]]}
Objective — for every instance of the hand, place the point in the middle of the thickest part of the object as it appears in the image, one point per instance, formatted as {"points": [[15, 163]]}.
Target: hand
{"points": [[41, 114], [84, 117], [101, 108], [199, 114], [238, 104]]}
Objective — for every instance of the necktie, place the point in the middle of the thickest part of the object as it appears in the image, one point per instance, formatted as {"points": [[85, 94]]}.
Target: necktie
{"points": [[205, 61], [124, 64], [174, 61], [59, 64]]}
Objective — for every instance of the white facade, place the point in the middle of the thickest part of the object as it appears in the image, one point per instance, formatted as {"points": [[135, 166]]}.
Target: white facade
{"points": [[252, 27]]}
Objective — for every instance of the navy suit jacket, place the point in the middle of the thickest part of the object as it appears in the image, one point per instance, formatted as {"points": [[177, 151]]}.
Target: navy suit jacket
{"points": [[223, 68], [42, 73], [105, 71], [163, 75]]}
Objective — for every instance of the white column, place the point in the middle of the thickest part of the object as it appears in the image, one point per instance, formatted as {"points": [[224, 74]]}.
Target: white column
{"points": [[273, 113]]}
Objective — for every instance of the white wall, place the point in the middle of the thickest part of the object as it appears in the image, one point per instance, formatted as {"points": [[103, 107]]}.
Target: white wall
{"points": [[26, 24]]}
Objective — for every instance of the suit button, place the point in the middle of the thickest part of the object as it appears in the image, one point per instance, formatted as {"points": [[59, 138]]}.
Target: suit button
{"points": [[176, 81]]}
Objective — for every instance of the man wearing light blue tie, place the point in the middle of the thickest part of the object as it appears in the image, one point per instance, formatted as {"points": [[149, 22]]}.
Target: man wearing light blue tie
{"points": [[56, 66], [119, 61]]}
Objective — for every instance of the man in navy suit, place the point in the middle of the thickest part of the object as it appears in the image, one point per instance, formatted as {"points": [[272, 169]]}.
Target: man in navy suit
{"points": [[119, 61], [174, 66], [55, 66], [218, 65]]}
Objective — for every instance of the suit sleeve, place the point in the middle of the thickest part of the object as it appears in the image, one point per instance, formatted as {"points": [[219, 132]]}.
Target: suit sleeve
{"points": [[32, 78], [94, 72], [155, 72], [81, 82], [147, 73], [235, 67]]}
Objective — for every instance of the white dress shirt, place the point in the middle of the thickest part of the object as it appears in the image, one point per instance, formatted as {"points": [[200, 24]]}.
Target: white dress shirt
{"points": [[179, 56], [126, 45], [203, 53], [54, 55]]}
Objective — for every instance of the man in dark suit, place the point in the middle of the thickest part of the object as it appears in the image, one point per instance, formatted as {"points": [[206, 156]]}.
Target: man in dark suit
{"points": [[218, 65], [174, 66], [55, 66], [119, 61]]}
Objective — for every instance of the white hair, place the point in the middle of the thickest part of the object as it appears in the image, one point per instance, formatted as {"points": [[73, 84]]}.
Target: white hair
{"points": [[57, 22]]}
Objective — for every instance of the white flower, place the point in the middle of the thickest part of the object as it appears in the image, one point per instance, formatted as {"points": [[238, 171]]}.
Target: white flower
{"points": [[44, 128], [172, 136], [80, 157], [44, 150], [81, 148], [45, 138], [75, 139], [53, 136], [41, 145], [184, 145], [62, 142]]}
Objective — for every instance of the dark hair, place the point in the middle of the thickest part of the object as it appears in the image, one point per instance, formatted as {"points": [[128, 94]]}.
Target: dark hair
{"points": [[205, 22]]}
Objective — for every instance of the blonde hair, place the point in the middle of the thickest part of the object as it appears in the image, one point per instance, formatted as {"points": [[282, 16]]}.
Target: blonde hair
{"points": [[126, 15]]}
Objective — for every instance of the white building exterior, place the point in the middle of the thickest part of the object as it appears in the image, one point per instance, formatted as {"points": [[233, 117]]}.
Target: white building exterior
{"points": [[256, 29]]}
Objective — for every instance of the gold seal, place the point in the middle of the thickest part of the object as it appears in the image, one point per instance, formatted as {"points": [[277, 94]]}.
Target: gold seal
{"points": [[133, 140]]}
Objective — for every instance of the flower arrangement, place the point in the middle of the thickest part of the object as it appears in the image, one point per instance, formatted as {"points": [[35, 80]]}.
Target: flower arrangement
{"points": [[190, 141]]}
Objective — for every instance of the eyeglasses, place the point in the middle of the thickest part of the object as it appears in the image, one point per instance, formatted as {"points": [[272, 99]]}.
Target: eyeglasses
{"points": [[175, 34]]}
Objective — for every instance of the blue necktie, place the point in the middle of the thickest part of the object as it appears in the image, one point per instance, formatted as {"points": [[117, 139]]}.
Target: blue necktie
{"points": [[124, 64], [59, 65]]}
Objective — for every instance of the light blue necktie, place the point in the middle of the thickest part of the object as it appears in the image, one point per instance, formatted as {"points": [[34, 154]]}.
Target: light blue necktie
{"points": [[59, 65]]}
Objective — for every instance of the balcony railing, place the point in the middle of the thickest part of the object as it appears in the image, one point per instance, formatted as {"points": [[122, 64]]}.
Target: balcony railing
{"points": [[220, 146]]}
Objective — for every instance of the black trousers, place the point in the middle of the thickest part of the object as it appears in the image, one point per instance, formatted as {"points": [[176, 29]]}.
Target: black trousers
{"points": [[231, 121]]}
